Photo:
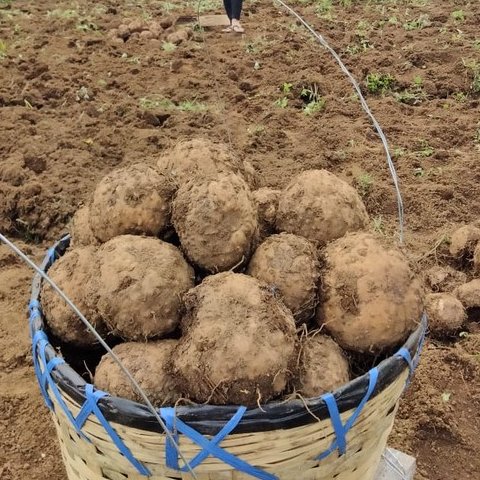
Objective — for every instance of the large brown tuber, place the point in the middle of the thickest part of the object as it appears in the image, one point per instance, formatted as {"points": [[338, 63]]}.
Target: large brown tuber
{"points": [[371, 298], [320, 207], [216, 221], [289, 262], [238, 343], [139, 286]]}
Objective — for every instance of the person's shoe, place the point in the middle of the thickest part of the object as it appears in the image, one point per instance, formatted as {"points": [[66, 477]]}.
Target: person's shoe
{"points": [[237, 27], [228, 29]]}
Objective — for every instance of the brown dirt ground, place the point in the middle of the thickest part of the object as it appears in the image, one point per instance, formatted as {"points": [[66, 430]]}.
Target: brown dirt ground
{"points": [[56, 143]]}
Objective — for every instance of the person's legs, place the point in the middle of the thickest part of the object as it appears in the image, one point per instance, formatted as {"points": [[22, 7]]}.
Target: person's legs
{"points": [[236, 9], [228, 8], [236, 12]]}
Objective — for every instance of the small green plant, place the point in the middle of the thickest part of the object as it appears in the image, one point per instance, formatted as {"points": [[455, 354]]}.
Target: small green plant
{"points": [[197, 28], [446, 396], [99, 10], [84, 22], [83, 94], [378, 225], [407, 97], [63, 14], [398, 152], [413, 95], [86, 25], [416, 3], [169, 47], [191, 106], [417, 24], [3, 49], [255, 129], [310, 93], [169, 7], [314, 106], [314, 100], [474, 68], [146, 15], [458, 15], [418, 81], [363, 28], [250, 47], [362, 44], [476, 44], [476, 82], [324, 8], [11, 13], [286, 89], [281, 102], [154, 102], [134, 60], [256, 45], [425, 149], [364, 184], [204, 5], [460, 97], [379, 83], [419, 172], [151, 103], [476, 137]]}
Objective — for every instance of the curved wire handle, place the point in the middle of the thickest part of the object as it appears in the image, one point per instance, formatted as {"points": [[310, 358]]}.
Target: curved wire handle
{"points": [[393, 173], [365, 107]]}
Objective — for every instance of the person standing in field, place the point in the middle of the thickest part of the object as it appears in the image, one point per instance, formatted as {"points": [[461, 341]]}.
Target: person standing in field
{"points": [[234, 10]]}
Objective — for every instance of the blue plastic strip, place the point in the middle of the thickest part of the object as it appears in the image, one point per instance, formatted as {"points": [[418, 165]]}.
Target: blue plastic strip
{"points": [[216, 440], [34, 309], [87, 407], [34, 304], [372, 382], [90, 407], [340, 429], [34, 313], [40, 342], [46, 379], [210, 448], [38, 337], [51, 255], [421, 343], [405, 354], [171, 455]]}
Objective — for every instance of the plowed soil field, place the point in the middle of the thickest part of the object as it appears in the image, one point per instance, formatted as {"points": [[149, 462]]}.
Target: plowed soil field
{"points": [[80, 97]]}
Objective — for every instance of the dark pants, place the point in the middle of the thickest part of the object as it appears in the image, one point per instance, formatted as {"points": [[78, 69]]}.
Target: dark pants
{"points": [[233, 8]]}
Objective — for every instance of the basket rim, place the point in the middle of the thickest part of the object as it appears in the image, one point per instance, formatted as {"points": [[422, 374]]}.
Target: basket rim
{"points": [[207, 419]]}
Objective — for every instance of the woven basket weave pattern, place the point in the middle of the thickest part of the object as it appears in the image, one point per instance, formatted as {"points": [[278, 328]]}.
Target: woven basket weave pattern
{"points": [[94, 449], [286, 453]]}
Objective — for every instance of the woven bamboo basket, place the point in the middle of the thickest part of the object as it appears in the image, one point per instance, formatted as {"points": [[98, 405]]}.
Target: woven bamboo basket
{"points": [[280, 441]]}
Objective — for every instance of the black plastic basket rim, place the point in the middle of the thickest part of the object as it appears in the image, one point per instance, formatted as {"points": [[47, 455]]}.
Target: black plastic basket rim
{"points": [[208, 419]]}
